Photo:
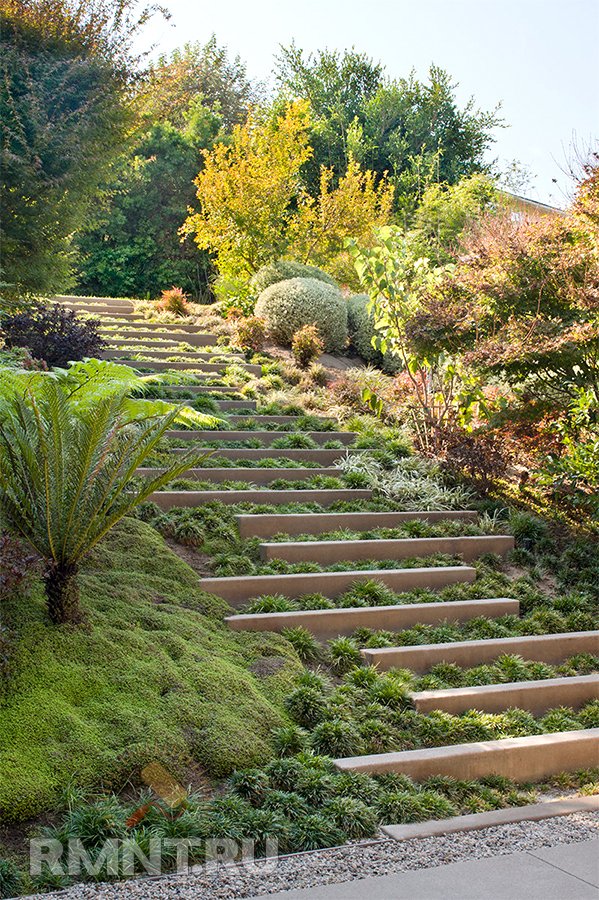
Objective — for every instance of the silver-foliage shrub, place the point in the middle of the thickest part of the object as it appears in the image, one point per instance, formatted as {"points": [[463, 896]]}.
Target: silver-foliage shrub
{"points": [[361, 332], [283, 270], [289, 305]]}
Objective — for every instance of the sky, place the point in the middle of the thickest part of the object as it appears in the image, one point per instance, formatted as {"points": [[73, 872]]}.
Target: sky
{"points": [[538, 58]]}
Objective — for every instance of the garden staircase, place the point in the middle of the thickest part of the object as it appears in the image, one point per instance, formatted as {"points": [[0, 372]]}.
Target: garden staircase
{"points": [[526, 758]]}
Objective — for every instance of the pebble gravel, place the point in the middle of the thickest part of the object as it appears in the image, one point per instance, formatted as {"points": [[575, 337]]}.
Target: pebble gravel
{"points": [[338, 865]]}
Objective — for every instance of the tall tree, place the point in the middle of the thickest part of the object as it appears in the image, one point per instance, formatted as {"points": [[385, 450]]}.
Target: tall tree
{"points": [[66, 73], [413, 130]]}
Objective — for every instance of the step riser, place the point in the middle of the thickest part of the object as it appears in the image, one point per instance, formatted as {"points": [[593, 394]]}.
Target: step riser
{"points": [[159, 329], [183, 366], [256, 453], [468, 548], [239, 590], [236, 404], [266, 438], [278, 420], [101, 301], [520, 759], [184, 356], [535, 696], [170, 499], [199, 389], [533, 812], [330, 623], [321, 523], [100, 311], [140, 332], [550, 648], [150, 342], [252, 476]]}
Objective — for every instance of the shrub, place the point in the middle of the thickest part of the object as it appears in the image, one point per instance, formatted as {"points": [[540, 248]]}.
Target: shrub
{"points": [[304, 644], [289, 305], [306, 345], [53, 334], [362, 331], [352, 816], [173, 301], [335, 737], [250, 332], [251, 785], [283, 270], [288, 740], [306, 706], [344, 654], [10, 879], [314, 832]]}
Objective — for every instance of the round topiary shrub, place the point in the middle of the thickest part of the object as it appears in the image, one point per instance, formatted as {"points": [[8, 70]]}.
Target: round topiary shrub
{"points": [[283, 270], [289, 305], [361, 332]]}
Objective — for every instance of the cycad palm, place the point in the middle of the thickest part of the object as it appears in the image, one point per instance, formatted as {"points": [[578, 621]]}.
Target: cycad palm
{"points": [[65, 476]]}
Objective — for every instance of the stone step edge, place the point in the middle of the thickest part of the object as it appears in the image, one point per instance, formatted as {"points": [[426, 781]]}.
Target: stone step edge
{"points": [[330, 521], [200, 365], [238, 589], [236, 473], [533, 812], [523, 759], [302, 551], [534, 696], [486, 650], [357, 616], [168, 499]]}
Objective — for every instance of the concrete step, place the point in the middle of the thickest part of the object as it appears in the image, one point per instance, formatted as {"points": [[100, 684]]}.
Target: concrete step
{"points": [[241, 588], [272, 420], [150, 342], [320, 523], [252, 476], [201, 389], [549, 648], [532, 812], [266, 438], [468, 548], [521, 759], [329, 623], [119, 302], [141, 330], [191, 356], [319, 455], [535, 696], [226, 405], [159, 366], [171, 499]]}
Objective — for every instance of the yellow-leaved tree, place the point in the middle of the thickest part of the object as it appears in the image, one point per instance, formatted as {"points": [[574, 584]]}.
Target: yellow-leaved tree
{"points": [[246, 191], [254, 209]]}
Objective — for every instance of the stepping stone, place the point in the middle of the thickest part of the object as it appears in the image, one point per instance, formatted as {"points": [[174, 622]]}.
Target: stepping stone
{"points": [[239, 589], [267, 438], [535, 696], [329, 623], [252, 476], [468, 548], [159, 366], [325, 497], [319, 455], [521, 759], [270, 524], [182, 355], [549, 648]]}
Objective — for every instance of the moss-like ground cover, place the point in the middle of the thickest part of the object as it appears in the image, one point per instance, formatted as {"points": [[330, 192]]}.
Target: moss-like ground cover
{"points": [[154, 675]]}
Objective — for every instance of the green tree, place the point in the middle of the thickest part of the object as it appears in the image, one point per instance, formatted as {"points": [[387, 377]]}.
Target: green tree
{"points": [[413, 130], [70, 444], [66, 72], [133, 248]]}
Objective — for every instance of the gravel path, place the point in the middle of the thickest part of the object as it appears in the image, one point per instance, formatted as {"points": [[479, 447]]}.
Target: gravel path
{"points": [[383, 857]]}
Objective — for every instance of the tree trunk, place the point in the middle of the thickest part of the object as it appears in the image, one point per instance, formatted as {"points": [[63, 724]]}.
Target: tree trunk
{"points": [[62, 595]]}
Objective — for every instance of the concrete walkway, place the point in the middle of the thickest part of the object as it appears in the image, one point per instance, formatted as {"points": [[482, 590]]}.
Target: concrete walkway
{"points": [[561, 872]]}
